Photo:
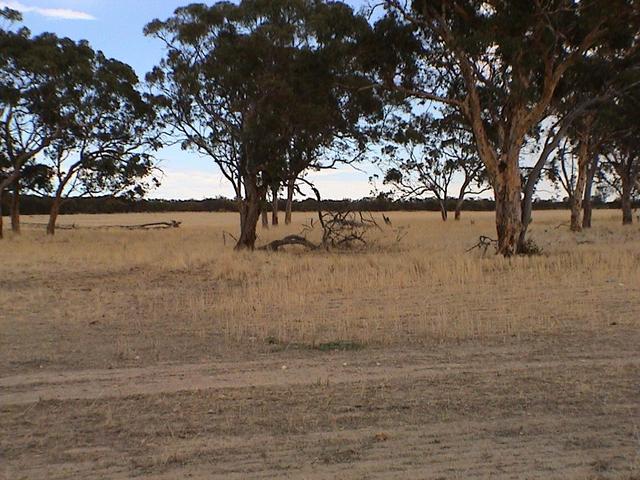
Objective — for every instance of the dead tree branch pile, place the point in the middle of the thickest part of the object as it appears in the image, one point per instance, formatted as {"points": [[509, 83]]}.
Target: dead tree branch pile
{"points": [[484, 243], [343, 230]]}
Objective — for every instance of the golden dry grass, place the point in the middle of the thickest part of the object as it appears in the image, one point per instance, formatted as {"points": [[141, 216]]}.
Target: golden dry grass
{"points": [[89, 296], [160, 354]]}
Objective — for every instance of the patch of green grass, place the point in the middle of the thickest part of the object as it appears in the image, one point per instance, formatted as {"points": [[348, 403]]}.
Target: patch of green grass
{"points": [[342, 345], [337, 345]]}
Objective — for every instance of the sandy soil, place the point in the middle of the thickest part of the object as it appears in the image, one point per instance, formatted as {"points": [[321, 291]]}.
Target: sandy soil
{"points": [[565, 407]]}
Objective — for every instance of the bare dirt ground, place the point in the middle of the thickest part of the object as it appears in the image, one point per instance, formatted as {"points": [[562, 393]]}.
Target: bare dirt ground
{"points": [[562, 407], [166, 355]]}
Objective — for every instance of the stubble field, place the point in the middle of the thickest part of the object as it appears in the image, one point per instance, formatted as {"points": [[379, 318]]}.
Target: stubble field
{"points": [[164, 354]]}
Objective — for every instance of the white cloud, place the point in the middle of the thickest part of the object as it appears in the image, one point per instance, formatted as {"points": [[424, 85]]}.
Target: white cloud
{"points": [[62, 13], [340, 185], [199, 184], [192, 184]]}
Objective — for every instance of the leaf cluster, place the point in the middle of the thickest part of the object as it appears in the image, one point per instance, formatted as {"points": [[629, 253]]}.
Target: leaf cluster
{"points": [[263, 87]]}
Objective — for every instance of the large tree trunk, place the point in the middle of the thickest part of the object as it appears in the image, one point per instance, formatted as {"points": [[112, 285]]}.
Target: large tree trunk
{"points": [[443, 210], [508, 189], [461, 194], [53, 215], [274, 206], [264, 215], [1, 222], [249, 215], [15, 208], [57, 199], [291, 184], [459, 205], [532, 180], [527, 200], [4, 185], [627, 213], [581, 182], [587, 206]]}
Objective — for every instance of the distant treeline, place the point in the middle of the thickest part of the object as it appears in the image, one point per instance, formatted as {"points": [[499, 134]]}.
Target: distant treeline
{"points": [[36, 205]]}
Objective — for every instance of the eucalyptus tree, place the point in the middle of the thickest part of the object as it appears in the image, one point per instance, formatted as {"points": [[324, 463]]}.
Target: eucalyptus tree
{"points": [[314, 153], [235, 84], [548, 138], [41, 80], [602, 147], [110, 146], [340, 114], [586, 154], [569, 168], [583, 97], [8, 16], [33, 175], [587, 201], [427, 157], [474, 175], [563, 172], [620, 150], [598, 86], [499, 64], [620, 170]]}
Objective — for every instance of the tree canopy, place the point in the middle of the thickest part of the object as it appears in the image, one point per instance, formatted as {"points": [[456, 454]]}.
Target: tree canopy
{"points": [[60, 98], [500, 65], [260, 86]]}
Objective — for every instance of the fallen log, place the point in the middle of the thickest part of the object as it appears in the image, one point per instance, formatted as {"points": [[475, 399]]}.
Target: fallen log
{"points": [[153, 226], [289, 240], [72, 226], [143, 226]]}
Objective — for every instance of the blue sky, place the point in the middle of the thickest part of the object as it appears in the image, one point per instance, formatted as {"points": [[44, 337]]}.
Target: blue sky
{"points": [[115, 27]]}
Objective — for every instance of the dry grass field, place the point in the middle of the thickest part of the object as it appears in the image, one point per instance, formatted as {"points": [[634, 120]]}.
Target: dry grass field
{"points": [[165, 354]]}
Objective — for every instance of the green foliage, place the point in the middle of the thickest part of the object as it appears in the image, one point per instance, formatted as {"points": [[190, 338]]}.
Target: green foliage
{"points": [[339, 345], [40, 81], [261, 87], [10, 14], [423, 154], [109, 147], [516, 56], [618, 133], [69, 113]]}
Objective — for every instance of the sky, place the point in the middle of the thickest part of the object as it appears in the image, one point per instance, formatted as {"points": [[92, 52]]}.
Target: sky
{"points": [[115, 27]]}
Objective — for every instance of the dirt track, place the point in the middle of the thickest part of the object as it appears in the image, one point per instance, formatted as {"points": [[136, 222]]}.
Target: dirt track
{"points": [[562, 407]]}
